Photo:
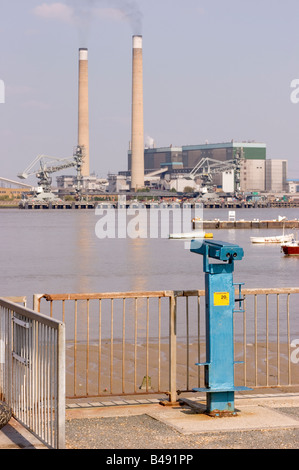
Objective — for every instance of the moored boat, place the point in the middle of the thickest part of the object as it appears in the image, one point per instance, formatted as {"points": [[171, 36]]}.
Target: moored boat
{"points": [[191, 235], [291, 248], [273, 239]]}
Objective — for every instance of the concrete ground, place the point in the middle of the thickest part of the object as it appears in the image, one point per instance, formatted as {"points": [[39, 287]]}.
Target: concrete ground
{"points": [[266, 420], [15, 436]]}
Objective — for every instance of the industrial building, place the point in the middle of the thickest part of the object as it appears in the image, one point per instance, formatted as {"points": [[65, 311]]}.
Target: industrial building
{"points": [[66, 185], [293, 185], [169, 168], [252, 177], [256, 172], [186, 157], [13, 189], [276, 175]]}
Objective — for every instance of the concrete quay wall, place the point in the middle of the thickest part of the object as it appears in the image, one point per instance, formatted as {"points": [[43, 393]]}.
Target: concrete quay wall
{"points": [[246, 224]]}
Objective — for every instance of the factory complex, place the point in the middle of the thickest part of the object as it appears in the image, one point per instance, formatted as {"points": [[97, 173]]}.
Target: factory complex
{"points": [[200, 171]]}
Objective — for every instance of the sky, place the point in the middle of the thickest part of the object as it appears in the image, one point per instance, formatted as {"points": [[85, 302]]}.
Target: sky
{"points": [[214, 70]]}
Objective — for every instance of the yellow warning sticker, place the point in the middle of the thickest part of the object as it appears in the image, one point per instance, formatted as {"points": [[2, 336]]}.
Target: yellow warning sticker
{"points": [[221, 298]]}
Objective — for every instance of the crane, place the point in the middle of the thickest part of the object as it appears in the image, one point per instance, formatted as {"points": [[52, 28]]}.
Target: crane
{"points": [[43, 166], [207, 167]]}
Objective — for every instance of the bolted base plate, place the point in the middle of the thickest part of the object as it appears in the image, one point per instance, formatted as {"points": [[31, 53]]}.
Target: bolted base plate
{"points": [[221, 413]]}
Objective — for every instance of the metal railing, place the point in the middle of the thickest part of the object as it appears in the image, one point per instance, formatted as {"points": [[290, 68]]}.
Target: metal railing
{"points": [[116, 343], [265, 332], [144, 342], [32, 371], [270, 326]]}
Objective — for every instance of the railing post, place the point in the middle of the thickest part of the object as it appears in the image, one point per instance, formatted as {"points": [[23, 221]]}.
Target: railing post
{"points": [[36, 302], [61, 387], [172, 350], [9, 371]]}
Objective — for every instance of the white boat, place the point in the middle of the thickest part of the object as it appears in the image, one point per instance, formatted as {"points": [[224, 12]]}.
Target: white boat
{"points": [[195, 234], [273, 239], [191, 235]]}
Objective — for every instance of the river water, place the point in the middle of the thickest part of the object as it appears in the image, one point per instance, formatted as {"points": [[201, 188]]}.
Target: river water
{"points": [[59, 252]]}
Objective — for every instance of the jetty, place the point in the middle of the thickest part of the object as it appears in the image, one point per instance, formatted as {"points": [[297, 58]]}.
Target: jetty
{"points": [[244, 224], [58, 206]]}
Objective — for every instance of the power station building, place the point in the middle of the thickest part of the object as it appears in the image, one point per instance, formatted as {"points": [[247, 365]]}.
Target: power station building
{"points": [[276, 175], [172, 164], [186, 157], [256, 174]]}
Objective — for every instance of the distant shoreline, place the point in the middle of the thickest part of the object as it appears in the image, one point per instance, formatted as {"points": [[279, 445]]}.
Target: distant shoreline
{"points": [[93, 205]]}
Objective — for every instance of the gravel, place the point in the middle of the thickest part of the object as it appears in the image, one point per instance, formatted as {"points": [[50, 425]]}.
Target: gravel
{"points": [[145, 432]]}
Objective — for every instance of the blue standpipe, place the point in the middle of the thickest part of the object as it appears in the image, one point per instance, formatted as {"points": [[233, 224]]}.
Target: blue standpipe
{"points": [[220, 308]]}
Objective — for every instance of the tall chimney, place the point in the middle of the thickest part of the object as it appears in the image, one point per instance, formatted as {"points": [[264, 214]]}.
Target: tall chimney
{"points": [[137, 143], [83, 118]]}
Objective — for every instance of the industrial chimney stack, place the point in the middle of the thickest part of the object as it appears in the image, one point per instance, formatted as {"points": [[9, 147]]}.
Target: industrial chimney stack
{"points": [[83, 118], [137, 143]]}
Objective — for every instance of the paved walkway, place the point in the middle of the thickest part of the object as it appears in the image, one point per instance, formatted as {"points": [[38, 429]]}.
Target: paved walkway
{"points": [[15, 436], [267, 420]]}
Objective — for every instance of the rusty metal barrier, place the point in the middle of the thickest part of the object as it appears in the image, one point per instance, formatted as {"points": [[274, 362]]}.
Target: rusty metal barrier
{"points": [[130, 343]]}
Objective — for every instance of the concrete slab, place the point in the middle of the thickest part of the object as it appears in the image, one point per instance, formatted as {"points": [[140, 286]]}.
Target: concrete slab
{"points": [[249, 417], [15, 436]]}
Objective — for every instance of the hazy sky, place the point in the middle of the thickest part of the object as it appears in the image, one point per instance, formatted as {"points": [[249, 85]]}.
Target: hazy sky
{"points": [[214, 70]]}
